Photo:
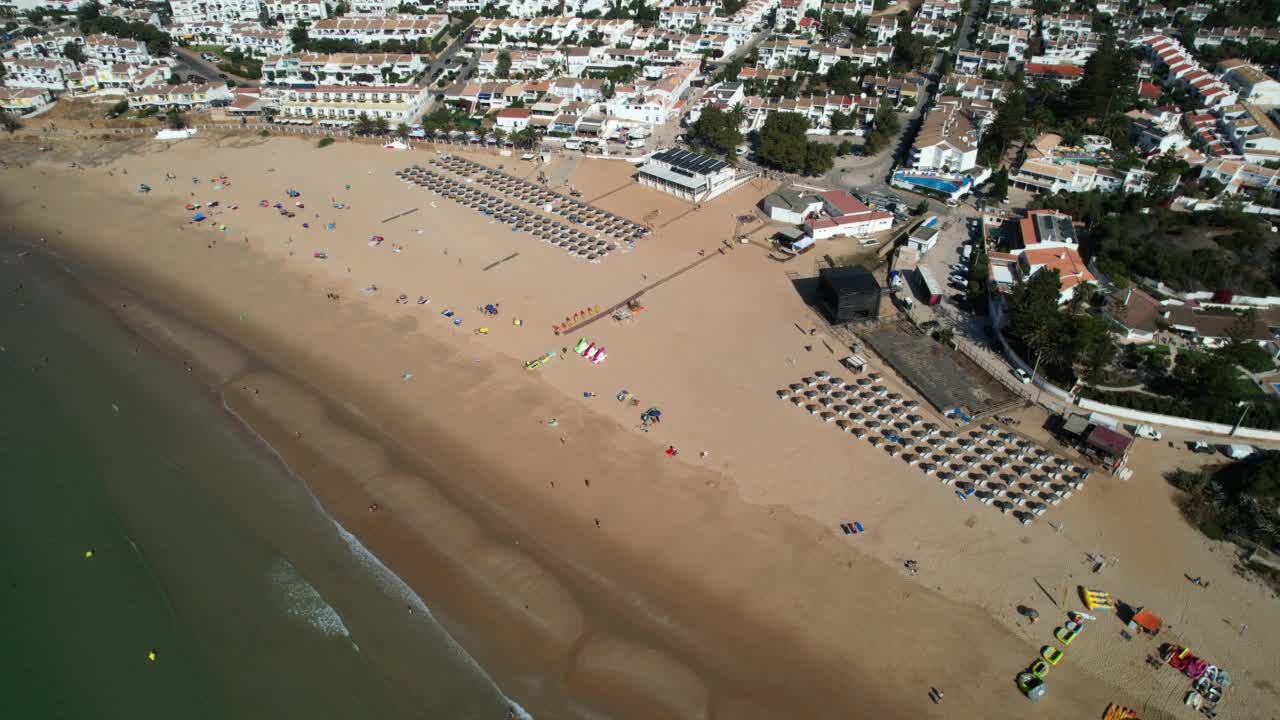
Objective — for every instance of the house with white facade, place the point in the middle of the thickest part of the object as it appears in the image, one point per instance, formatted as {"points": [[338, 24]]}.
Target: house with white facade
{"points": [[24, 100], [882, 29], [292, 12], [379, 7], [105, 50], [1237, 175], [947, 141], [934, 30], [1252, 131], [855, 7], [201, 11], [523, 31], [343, 69], [338, 102], [685, 17], [180, 97], [975, 88], [1210, 37], [1250, 82], [975, 62], [365, 29], [1183, 70], [1014, 42], [47, 45], [43, 74]]}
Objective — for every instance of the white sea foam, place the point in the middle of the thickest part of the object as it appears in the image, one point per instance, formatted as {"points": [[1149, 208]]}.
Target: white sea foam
{"points": [[391, 584], [302, 600]]}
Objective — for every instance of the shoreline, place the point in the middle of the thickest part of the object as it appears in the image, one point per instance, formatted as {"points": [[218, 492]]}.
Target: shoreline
{"points": [[696, 587]]}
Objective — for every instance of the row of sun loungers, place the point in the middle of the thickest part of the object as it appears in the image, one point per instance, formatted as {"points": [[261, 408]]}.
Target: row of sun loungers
{"points": [[575, 242], [989, 464], [598, 221]]}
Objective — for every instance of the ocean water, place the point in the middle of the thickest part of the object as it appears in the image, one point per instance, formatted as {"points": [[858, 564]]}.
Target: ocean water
{"points": [[204, 549]]}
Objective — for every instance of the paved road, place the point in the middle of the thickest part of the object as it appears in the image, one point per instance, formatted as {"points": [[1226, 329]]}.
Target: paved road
{"points": [[189, 61], [962, 42]]}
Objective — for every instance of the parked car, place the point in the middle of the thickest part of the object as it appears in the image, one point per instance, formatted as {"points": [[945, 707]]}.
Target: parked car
{"points": [[1200, 446], [930, 325], [1146, 431], [1022, 375]]}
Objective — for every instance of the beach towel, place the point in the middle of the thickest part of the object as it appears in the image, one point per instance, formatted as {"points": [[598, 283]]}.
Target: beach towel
{"points": [[858, 527], [847, 528]]}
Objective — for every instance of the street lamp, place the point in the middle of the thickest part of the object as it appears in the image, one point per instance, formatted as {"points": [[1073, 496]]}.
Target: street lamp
{"points": [[1246, 404]]}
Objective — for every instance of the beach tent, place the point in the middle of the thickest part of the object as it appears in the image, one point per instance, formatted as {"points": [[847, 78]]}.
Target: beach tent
{"points": [[198, 217], [1148, 621]]}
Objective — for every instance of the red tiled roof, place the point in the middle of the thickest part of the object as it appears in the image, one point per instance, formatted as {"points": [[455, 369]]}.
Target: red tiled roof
{"points": [[513, 113], [844, 202], [1061, 70]]}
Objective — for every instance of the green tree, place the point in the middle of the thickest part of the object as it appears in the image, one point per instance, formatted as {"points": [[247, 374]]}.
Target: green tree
{"points": [[717, 130], [364, 124], [1009, 126], [88, 11], [782, 141], [175, 119], [1107, 85], [74, 53], [9, 123], [380, 126], [298, 36], [909, 49], [819, 158], [504, 65], [841, 80], [118, 109], [402, 131], [999, 184]]}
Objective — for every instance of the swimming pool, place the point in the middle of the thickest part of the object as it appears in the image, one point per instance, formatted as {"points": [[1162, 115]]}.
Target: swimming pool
{"points": [[934, 184]]}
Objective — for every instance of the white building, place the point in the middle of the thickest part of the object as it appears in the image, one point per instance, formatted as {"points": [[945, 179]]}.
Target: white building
{"points": [[343, 69], [333, 102], [948, 141], [375, 7], [202, 11], [855, 7], [1252, 132], [846, 216], [24, 101], [512, 120], [687, 175], [791, 206], [1250, 82], [45, 74], [48, 45], [365, 29], [685, 17], [522, 31], [1236, 175], [1014, 42], [105, 50], [292, 12], [181, 97]]}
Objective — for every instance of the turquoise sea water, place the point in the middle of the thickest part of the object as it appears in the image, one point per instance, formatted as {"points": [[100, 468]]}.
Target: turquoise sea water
{"points": [[204, 549]]}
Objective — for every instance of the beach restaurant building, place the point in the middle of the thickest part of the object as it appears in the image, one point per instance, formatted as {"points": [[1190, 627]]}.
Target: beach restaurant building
{"points": [[24, 101], [688, 175]]}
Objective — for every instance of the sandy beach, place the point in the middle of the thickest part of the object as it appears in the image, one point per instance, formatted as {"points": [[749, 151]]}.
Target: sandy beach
{"points": [[585, 567]]}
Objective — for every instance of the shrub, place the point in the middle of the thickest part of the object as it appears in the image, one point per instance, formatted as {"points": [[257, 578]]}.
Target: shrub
{"points": [[325, 142], [264, 132]]}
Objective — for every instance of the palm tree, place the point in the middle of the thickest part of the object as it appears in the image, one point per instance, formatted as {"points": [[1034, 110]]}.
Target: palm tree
{"points": [[499, 135], [738, 113], [381, 126], [402, 131], [364, 125]]}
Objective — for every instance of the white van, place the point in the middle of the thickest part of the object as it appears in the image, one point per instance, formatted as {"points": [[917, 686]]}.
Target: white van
{"points": [[635, 144], [572, 145]]}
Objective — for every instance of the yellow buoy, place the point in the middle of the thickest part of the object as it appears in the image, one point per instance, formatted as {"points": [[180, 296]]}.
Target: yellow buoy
{"points": [[517, 322], [152, 655], [88, 554]]}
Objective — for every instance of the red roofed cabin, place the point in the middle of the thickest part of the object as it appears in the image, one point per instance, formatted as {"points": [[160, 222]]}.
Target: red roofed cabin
{"points": [[1109, 447], [847, 217], [512, 119]]}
